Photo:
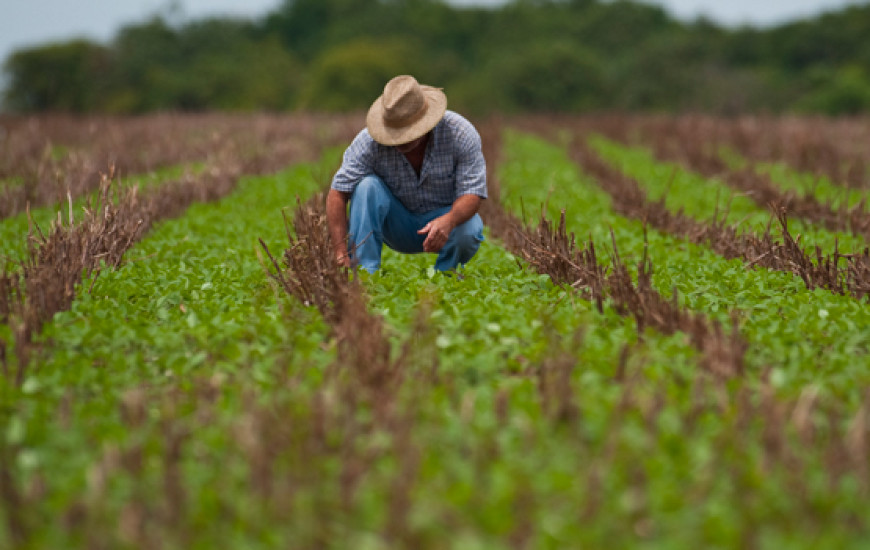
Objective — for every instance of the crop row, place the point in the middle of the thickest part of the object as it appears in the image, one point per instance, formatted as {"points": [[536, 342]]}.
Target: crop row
{"points": [[741, 197], [184, 401], [833, 149], [792, 457], [43, 160], [208, 390], [187, 317], [831, 196], [609, 440], [788, 326], [838, 272], [15, 229], [47, 279]]}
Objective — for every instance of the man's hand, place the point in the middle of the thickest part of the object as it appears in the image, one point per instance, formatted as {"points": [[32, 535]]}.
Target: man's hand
{"points": [[437, 232], [343, 259], [336, 218]]}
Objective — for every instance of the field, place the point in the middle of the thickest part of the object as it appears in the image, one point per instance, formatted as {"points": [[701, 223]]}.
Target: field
{"points": [[664, 341]]}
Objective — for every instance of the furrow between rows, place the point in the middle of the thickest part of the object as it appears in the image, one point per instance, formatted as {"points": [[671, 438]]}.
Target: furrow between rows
{"points": [[176, 348], [551, 250], [789, 328], [834, 271], [57, 260], [698, 148]]}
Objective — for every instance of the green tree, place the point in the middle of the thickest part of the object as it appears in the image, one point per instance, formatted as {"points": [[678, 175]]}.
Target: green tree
{"points": [[553, 55], [208, 64], [830, 39], [63, 77], [307, 27], [352, 75], [548, 76], [144, 56], [845, 91]]}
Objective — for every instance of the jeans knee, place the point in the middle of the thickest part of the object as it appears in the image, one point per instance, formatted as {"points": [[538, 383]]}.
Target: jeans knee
{"points": [[370, 200], [369, 187], [468, 236]]}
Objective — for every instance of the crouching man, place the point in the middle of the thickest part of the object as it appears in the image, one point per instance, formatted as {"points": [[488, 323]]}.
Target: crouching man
{"points": [[415, 178]]}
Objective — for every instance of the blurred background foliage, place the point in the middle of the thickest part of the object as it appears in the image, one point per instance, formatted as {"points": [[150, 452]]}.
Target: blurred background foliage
{"points": [[527, 55]]}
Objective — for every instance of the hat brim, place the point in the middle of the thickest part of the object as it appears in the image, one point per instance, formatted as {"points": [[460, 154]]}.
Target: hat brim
{"points": [[386, 135]]}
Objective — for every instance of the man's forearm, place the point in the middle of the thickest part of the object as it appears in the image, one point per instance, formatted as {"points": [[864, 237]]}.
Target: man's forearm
{"points": [[336, 219], [438, 230], [464, 208]]}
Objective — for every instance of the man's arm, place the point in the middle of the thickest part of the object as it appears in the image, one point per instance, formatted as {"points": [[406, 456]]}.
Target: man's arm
{"points": [[356, 163], [336, 219], [438, 230], [470, 188]]}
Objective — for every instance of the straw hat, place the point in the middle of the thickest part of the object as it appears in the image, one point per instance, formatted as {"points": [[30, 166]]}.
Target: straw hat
{"points": [[405, 111]]}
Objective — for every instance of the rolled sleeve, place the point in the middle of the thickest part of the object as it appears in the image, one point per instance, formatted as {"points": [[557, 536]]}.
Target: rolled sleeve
{"points": [[470, 166], [357, 163]]}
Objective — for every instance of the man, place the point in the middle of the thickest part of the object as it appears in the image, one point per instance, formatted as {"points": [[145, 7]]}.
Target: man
{"points": [[415, 178]]}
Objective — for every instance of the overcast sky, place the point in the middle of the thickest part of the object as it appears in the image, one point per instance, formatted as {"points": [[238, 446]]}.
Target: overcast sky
{"points": [[30, 22]]}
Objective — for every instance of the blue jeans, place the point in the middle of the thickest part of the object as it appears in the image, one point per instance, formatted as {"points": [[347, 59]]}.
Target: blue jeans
{"points": [[378, 218]]}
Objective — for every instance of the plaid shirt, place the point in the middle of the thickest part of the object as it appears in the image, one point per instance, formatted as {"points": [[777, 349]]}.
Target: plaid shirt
{"points": [[453, 166]]}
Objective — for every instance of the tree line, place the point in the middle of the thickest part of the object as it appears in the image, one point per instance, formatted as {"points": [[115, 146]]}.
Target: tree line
{"points": [[527, 55]]}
